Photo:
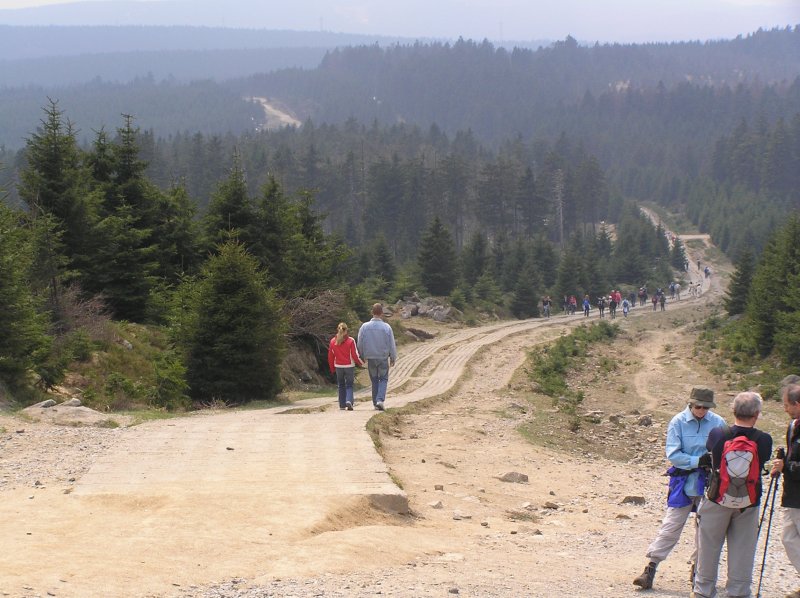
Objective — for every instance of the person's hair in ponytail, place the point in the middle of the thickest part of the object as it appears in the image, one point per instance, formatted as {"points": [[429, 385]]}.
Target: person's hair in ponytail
{"points": [[341, 333]]}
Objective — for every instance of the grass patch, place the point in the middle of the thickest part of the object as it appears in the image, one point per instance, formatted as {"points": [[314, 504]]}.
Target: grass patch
{"points": [[726, 347], [550, 366], [676, 222], [141, 416], [516, 515], [397, 481], [137, 370], [695, 244]]}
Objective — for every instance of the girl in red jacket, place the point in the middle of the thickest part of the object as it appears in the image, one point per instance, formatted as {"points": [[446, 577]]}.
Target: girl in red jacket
{"points": [[343, 358]]}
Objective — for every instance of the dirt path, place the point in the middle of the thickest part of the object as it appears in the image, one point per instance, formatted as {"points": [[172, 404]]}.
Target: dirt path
{"points": [[269, 503]]}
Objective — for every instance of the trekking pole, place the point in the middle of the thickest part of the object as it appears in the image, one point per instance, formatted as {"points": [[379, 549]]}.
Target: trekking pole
{"points": [[774, 487], [772, 482]]}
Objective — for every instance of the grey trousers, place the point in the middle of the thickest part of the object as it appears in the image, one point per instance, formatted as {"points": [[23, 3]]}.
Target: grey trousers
{"points": [[739, 528], [670, 532], [791, 535]]}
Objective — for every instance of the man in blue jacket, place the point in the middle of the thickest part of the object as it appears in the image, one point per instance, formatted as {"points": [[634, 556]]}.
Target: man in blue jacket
{"points": [[376, 345], [687, 434]]}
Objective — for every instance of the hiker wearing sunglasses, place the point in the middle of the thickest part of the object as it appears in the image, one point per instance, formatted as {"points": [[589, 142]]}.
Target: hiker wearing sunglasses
{"points": [[687, 434]]}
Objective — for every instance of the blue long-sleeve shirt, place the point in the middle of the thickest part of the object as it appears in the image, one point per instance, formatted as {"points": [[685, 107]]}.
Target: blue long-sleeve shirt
{"points": [[376, 340], [686, 443]]}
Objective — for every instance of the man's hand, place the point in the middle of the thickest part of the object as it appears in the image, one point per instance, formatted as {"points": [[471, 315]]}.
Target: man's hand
{"points": [[777, 467], [705, 461]]}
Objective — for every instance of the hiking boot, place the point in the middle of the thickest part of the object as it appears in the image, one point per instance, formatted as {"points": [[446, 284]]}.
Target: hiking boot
{"points": [[379, 406], [795, 594], [349, 406], [645, 580]]}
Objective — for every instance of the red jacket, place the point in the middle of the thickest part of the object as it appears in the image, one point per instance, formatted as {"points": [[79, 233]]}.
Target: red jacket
{"points": [[344, 355]]}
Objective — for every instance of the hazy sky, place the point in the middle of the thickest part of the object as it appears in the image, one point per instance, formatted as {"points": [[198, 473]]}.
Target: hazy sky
{"points": [[586, 20]]}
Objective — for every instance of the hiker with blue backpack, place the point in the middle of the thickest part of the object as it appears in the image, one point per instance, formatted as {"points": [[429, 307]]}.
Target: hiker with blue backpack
{"points": [[729, 512], [687, 434]]}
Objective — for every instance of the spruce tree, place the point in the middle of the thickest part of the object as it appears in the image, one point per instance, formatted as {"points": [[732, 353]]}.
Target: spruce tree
{"points": [[677, 255], [276, 225], [23, 340], [474, 258], [383, 264], [236, 345], [315, 259], [55, 182], [571, 279], [176, 234], [124, 266], [437, 260], [770, 293], [525, 296], [739, 287], [787, 333], [231, 210]]}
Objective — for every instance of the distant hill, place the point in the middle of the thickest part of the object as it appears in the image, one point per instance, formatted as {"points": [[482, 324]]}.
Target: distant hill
{"points": [[163, 106], [55, 56], [181, 66], [25, 42], [234, 13], [499, 93]]}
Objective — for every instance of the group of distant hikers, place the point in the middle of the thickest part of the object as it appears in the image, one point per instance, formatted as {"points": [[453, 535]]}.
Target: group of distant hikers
{"points": [[615, 300], [716, 473]]}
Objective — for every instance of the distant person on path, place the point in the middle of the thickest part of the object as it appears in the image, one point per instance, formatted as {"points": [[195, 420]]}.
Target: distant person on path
{"points": [[678, 290], [655, 301], [601, 305], [573, 304], [612, 305], [687, 434], [377, 346], [737, 525], [587, 305], [790, 468], [546, 305], [662, 300], [626, 307], [343, 358]]}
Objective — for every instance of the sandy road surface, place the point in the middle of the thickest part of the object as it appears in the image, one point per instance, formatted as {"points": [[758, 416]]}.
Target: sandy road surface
{"points": [[201, 498]]}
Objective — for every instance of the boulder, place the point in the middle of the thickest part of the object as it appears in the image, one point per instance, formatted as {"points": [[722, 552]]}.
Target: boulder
{"points": [[514, 477]]}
